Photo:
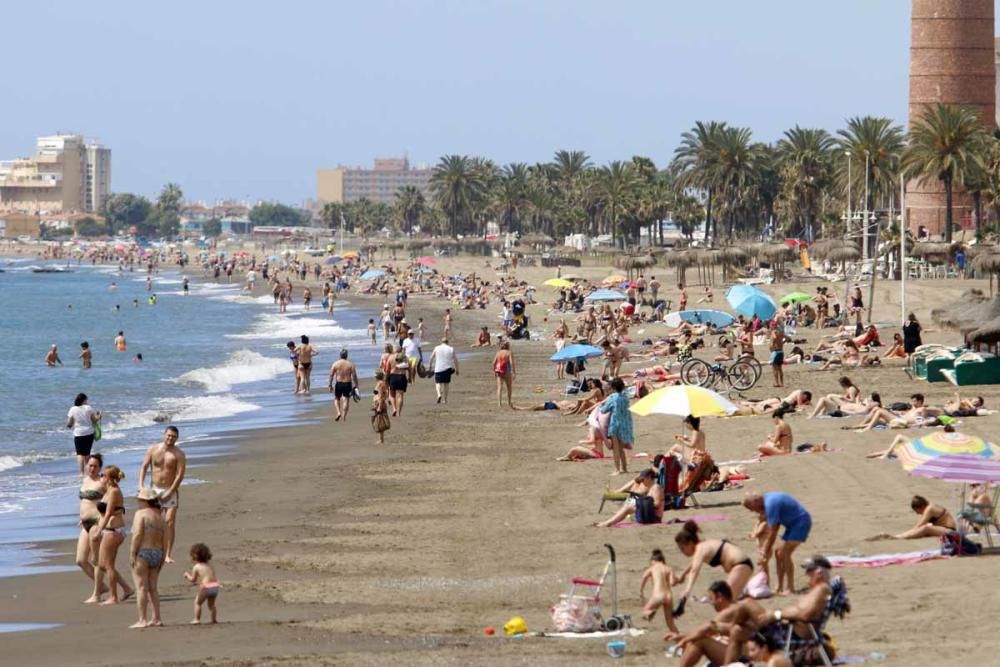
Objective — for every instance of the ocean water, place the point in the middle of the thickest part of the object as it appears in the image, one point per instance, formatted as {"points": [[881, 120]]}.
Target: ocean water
{"points": [[214, 362]]}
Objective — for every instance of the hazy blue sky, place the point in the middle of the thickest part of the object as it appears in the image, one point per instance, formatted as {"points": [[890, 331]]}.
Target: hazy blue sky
{"points": [[232, 99]]}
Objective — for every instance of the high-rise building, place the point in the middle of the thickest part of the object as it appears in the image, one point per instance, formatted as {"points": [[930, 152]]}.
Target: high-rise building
{"points": [[379, 184], [996, 58], [66, 175], [952, 61]]}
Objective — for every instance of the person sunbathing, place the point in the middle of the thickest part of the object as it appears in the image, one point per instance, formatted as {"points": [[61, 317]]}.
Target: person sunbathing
{"points": [[849, 401], [792, 402], [571, 407], [583, 453], [849, 353], [779, 442], [918, 415], [899, 441], [934, 521], [963, 407], [643, 485], [896, 350]]}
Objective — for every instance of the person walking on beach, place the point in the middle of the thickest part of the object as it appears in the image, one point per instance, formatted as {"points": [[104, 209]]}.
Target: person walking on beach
{"points": [[380, 406], [83, 420], [106, 537], [447, 323], [52, 357], [777, 345], [85, 355], [306, 353], [780, 509], [167, 464], [343, 380], [92, 489], [146, 557], [503, 369], [444, 362], [202, 574]]}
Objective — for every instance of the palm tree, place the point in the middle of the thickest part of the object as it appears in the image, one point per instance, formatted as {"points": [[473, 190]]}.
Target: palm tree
{"points": [[410, 204], [509, 197], [696, 166], [947, 143], [736, 167], [877, 143], [457, 185], [332, 213], [170, 198], [806, 155], [570, 164], [615, 183]]}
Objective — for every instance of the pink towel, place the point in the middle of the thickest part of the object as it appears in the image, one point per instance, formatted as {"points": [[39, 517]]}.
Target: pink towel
{"points": [[881, 560]]}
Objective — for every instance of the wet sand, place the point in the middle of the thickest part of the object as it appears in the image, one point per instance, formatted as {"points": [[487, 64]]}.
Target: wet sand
{"points": [[334, 550]]}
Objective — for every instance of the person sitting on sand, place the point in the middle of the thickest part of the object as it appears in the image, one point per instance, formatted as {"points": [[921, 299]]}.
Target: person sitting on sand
{"points": [[779, 442], [918, 414], [726, 351], [896, 349], [695, 441], [713, 553], [643, 485], [849, 353], [848, 402], [202, 574], [713, 640], [484, 339], [963, 407], [934, 521], [663, 580]]}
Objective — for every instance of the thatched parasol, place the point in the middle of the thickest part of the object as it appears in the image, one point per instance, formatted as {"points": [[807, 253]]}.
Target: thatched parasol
{"points": [[929, 250], [967, 312], [444, 243], [733, 256], [537, 239], [778, 252], [843, 254], [417, 244], [820, 249], [987, 333], [978, 249]]}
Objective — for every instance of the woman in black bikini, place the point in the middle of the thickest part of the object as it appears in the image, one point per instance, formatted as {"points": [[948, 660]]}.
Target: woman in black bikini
{"points": [[714, 553], [397, 383], [934, 521], [107, 536], [92, 489]]}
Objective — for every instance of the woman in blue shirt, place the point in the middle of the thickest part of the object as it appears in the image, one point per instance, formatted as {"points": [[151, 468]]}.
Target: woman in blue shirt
{"points": [[620, 428]]}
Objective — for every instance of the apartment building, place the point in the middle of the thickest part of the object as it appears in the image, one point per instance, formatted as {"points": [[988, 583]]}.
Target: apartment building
{"points": [[379, 184], [65, 175]]}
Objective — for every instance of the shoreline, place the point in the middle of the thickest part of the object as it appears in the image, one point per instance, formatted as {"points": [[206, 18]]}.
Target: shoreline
{"points": [[333, 550]]}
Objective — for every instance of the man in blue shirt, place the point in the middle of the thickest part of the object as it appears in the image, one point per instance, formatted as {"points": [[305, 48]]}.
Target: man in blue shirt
{"points": [[780, 509]]}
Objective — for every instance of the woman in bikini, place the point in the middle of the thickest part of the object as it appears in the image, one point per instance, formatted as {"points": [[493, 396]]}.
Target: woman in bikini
{"points": [[92, 489], [849, 402], [934, 521], [503, 369], [714, 553], [146, 557], [779, 442], [387, 360], [896, 350], [106, 537], [398, 382], [695, 441]]}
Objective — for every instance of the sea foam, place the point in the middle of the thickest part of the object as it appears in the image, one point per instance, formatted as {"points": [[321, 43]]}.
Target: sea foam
{"points": [[240, 367]]}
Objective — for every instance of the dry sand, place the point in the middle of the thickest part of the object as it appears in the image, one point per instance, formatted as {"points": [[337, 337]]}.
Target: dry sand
{"points": [[333, 550]]}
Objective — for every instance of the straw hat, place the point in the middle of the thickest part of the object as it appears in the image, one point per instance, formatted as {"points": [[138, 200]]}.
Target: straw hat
{"points": [[147, 494]]}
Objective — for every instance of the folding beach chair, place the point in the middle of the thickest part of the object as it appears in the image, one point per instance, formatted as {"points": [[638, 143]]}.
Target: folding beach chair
{"points": [[837, 605]]}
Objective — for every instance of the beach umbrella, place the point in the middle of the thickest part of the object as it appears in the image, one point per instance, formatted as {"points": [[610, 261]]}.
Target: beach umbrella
{"points": [[424, 269], [426, 261], [372, 274], [576, 351], [683, 400], [350, 255], [795, 297], [605, 295], [939, 443], [699, 316], [558, 282], [332, 260], [747, 300], [960, 468]]}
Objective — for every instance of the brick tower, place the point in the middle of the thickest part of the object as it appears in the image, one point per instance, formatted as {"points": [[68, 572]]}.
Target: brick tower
{"points": [[951, 61]]}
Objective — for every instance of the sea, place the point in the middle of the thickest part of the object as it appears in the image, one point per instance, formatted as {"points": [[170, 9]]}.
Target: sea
{"points": [[214, 363]]}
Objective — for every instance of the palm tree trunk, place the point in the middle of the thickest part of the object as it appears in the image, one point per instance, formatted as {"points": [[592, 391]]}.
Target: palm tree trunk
{"points": [[947, 210], [708, 215], [977, 204]]}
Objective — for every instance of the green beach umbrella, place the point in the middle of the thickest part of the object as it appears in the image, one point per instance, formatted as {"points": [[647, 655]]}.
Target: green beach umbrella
{"points": [[795, 297]]}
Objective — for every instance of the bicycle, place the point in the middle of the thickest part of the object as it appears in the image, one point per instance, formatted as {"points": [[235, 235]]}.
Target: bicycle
{"points": [[741, 375]]}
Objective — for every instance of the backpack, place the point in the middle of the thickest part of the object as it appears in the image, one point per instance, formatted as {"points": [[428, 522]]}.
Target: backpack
{"points": [[645, 509], [956, 544]]}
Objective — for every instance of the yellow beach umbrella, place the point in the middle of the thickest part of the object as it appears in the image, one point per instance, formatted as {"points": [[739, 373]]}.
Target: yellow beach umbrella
{"points": [[349, 255], [614, 279], [683, 400], [561, 283]]}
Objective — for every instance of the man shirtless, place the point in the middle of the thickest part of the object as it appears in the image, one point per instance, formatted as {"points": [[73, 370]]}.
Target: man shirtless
{"points": [[343, 380], [306, 353], [167, 465], [52, 357]]}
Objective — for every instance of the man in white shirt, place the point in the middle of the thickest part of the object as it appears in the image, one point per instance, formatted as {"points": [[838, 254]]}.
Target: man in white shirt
{"points": [[411, 348], [444, 363]]}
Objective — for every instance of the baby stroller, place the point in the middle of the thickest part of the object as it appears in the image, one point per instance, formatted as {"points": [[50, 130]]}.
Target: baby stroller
{"points": [[577, 612], [520, 329]]}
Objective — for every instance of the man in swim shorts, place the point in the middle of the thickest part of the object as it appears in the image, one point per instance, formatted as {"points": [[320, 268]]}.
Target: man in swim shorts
{"points": [[167, 464], [777, 345], [444, 363], [780, 509], [343, 380]]}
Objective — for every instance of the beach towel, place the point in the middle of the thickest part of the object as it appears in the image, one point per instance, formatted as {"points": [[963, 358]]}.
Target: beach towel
{"points": [[881, 560], [697, 518], [630, 632]]}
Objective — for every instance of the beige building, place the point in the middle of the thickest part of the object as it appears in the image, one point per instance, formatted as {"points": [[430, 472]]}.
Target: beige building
{"points": [[13, 225], [65, 175], [380, 184]]}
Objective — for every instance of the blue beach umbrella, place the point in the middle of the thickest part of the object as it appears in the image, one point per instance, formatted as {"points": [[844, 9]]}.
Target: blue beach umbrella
{"points": [[576, 351], [747, 300], [332, 260], [372, 274], [705, 316], [605, 295]]}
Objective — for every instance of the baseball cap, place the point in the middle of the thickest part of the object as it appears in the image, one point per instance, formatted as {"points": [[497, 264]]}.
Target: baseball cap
{"points": [[816, 562]]}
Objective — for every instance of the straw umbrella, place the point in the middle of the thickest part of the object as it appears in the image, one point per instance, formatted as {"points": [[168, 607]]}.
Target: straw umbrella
{"points": [[988, 263], [681, 261], [536, 239], [971, 309], [987, 333], [777, 254], [732, 257]]}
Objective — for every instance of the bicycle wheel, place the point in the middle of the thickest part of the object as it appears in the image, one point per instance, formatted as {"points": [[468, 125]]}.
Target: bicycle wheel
{"points": [[741, 375], [757, 368], [696, 372]]}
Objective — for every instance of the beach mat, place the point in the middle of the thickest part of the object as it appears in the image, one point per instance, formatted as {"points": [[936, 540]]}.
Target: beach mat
{"points": [[882, 560], [630, 632]]}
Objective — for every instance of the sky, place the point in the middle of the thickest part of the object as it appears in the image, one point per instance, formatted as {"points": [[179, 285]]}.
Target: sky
{"points": [[247, 99]]}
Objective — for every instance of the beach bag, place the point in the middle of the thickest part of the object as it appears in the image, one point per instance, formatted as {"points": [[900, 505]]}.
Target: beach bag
{"points": [[380, 422], [97, 430], [758, 587], [810, 654], [899, 406], [575, 614], [956, 544], [645, 509]]}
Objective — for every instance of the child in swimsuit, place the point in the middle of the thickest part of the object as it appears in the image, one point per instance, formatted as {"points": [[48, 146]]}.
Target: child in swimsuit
{"points": [[204, 574]]}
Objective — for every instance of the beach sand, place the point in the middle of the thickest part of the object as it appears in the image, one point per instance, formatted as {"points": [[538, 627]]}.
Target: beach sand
{"points": [[334, 550]]}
